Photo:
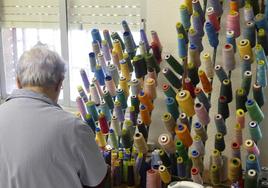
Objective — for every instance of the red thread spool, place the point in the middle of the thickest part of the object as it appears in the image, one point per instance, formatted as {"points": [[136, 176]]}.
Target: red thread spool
{"points": [[233, 23], [212, 17], [189, 86], [103, 124], [156, 51]]}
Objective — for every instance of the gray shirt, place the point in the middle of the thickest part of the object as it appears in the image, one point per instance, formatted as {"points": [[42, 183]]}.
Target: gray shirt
{"points": [[42, 146]]}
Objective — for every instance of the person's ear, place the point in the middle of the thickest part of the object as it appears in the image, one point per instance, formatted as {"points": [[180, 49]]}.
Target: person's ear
{"points": [[19, 86]]}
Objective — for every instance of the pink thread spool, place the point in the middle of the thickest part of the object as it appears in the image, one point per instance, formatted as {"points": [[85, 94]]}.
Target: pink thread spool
{"points": [[202, 114], [240, 117], [196, 177], [228, 57], [212, 17], [251, 147], [110, 85], [153, 179], [94, 94], [233, 23], [167, 143], [81, 107], [97, 85], [189, 86]]}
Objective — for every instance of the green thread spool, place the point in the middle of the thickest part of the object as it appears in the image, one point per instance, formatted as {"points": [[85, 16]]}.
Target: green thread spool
{"points": [[181, 151], [125, 170], [255, 6], [172, 107], [193, 73], [258, 94], [116, 36], [251, 179], [164, 158], [127, 58], [223, 107], [152, 62], [113, 139], [140, 66], [128, 124], [135, 102], [169, 91], [108, 99], [214, 173], [176, 66], [127, 141], [219, 142], [226, 90], [246, 82], [172, 78], [254, 110], [121, 97], [262, 40], [180, 30], [255, 131], [241, 99]]}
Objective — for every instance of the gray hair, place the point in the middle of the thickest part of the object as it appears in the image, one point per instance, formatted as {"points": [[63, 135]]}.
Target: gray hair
{"points": [[40, 67]]}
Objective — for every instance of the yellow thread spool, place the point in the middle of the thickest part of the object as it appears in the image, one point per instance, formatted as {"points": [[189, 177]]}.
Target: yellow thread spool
{"points": [[100, 139], [189, 5], [123, 83], [214, 174], [186, 102], [150, 88], [164, 174], [244, 48], [234, 169], [118, 49], [125, 70]]}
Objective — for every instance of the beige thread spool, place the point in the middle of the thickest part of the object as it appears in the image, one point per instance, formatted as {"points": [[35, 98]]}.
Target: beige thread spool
{"points": [[169, 122], [140, 143], [150, 88], [208, 65], [167, 143]]}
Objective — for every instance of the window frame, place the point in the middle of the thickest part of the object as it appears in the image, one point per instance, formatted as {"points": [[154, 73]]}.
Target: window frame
{"points": [[64, 41]]}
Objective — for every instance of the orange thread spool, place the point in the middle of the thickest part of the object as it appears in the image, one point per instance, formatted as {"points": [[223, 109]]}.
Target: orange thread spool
{"points": [[233, 5], [204, 81], [146, 100], [145, 115], [184, 135]]}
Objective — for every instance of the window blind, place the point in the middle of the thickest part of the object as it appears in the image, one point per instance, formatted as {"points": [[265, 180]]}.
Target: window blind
{"points": [[104, 14], [29, 13]]}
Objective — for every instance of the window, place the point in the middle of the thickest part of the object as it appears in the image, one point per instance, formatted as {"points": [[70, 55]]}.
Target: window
{"points": [[24, 23]]}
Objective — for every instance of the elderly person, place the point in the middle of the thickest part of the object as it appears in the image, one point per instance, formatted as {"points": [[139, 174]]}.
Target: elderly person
{"points": [[41, 145]]}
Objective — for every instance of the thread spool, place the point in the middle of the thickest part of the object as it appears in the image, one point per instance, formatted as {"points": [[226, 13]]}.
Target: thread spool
{"points": [[181, 168], [152, 178], [193, 73], [252, 163], [118, 111], [91, 108], [110, 85], [219, 142], [181, 30], [92, 61], [142, 48], [142, 129], [197, 160], [139, 66], [164, 174], [172, 107], [108, 99], [176, 66], [182, 47], [255, 131], [236, 150], [185, 16], [96, 47], [214, 174], [115, 59], [168, 91], [120, 95], [151, 62], [246, 64], [249, 33], [100, 138], [233, 23], [135, 86], [116, 126], [172, 78], [233, 5], [212, 35], [238, 134], [124, 85], [156, 40], [135, 102], [150, 88], [194, 55], [223, 108], [184, 120], [105, 110], [202, 114], [146, 100], [129, 44], [220, 124], [248, 12], [262, 40], [186, 102], [94, 94], [156, 52], [169, 122], [246, 82], [258, 94], [202, 97], [194, 39], [196, 177], [118, 49], [213, 19], [99, 75], [130, 174], [107, 37], [230, 39], [113, 139], [254, 110], [244, 48], [144, 39], [241, 99], [206, 58], [216, 158], [145, 115], [164, 158], [197, 8], [220, 72], [181, 150], [90, 122], [95, 33], [183, 134], [197, 23], [167, 143], [260, 54], [260, 21], [115, 36], [96, 83], [113, 72], [102, 62], [140, 143], [125, 70], [85, 80], [132, 114], [261, 73], [228, 57], [251, 179], [240, 117], [126, 138], [103, 124], [216, 6], [189, 86], [200, 131], [81, 107], [198, 145], [251, 147], [234, 170], [204, 81], [226, 90], [82, 94]]}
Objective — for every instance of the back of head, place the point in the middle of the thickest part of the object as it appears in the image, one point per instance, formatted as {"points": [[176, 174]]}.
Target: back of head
{"points": [[40, 67]]}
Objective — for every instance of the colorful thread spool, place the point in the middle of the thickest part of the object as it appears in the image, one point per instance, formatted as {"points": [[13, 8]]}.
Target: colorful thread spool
{"points": [[144, 39], [96, 83], [251, 147], [140, 143], [118, 49], [129, 44], [230, 39], [116, 126], [113, 72], [184, 120], [220, 72], [180, 30], [200, 131], [233, 23], [172, 78], [156, 40], [189, 86], [223, 108], [238, 134], [260, 21], [228, 57], [248, 13], [260, 54], [118, 111], [115, 36], [107, 37], [192, 71], [195, 39], [214, 174], [234, 169], [252, 163], [127, 140], [181, 168], [212, 35], [146, 100], [176, 66], [197, 8], [216, 158], [135, 86], [241, 99], [262, 40], [186, 102], [202, 97], [164, 158], [102, 62], [142, 129], [246, 64], [233, 5], [110, 85], [207, 87], [145, 115], [217, 6], [125, 70], [123, 83], [226, 90], [115, 59], [120, 95], [150, 88], [254, 110], [197, 160], [81, 107], [167, 143], [95, 33], [202, 113], [168, 91], [240, 117], [103, 107], [82, 94], [135, 102], [103, 124], [172, 107], [219, 142], [246, 82], [236, 150], [96, 47], [140, 67], [244, 48], [183, 134], [206, 58], [251, 179], [220, 124], [94, 95], [100, 138], [164, 174], [261, 73], [198, 145], [197, 23], [85, 79], [108, 99], [151, 62], [156, 52], [113, 139], [255, 131], [182, 47], [92, 110], [185, 16], [249, 33], [194, 55], [181, 150], [92, 61], [258, 94], [152, 178], [169, 122], [213, 19], [196, 177], [152, 75]]}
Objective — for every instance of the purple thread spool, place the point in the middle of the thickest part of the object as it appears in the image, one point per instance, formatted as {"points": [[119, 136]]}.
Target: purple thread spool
{"points": [[197, 24], [202, 113], [195, 39], [85, 79], [144, 39], [216, 6], [96, 47], [119, 111], [106, 51], [81, 107], [102, 62]]}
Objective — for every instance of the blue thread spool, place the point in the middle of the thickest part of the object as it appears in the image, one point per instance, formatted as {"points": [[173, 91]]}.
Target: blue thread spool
{"points": [[130, 46], [252, 162], [127, 29], [85, 79], [90, 122], [260, 21], [107, 37], [104, 108], [212, 35], [95, 33], [261, 73], [92, 61], [181, 167], [100, 75], [255, 131], [195, 39], [92, 110], [155, 159], [120, 95], [245, 65], [266, 11], [197, 24], [172, 107], [260, 54], [106, 50], [230, 39], [197, 8], [144, 39], [113, 72], [182, 48], [185, 16], [249, 33]]}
